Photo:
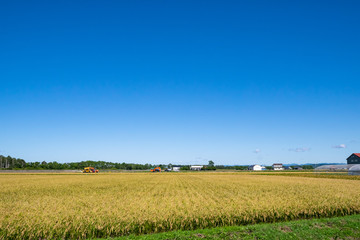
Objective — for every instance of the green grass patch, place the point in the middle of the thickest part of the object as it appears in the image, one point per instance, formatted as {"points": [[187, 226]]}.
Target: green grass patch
{"points": [[347, 227]]}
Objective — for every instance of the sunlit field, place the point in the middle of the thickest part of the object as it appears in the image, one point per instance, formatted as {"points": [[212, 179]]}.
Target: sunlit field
{"points": [[115, 204]]}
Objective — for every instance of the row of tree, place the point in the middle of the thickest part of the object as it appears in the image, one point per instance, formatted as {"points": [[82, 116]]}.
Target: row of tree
{"points": [[18, 163], [10, 162]]}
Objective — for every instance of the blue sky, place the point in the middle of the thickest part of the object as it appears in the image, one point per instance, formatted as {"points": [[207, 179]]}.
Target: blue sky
{"points": [[183, 82]]}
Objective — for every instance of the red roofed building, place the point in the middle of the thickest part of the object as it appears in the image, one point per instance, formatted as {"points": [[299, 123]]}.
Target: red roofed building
{"points": [[354, 158]]}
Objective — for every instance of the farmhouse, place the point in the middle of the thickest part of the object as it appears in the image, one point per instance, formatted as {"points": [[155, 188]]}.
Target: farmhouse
{"points": [[196, 168], [353, 158], [256, 167], [278, 166]]}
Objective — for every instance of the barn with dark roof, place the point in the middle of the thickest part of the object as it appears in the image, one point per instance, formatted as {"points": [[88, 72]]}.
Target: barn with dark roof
{"points": [[354, 158]]}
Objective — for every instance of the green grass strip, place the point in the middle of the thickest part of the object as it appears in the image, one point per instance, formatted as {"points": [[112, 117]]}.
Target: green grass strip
{"points": [[347, 227]]}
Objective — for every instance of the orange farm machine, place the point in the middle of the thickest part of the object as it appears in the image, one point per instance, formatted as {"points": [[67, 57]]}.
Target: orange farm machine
{"points": [[157, 169], [90, 170]]}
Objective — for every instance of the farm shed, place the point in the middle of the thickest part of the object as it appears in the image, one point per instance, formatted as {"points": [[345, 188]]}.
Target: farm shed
{"points": [[176, 169], [256, 167], [196, 168], [353, 158], [277, 166]]}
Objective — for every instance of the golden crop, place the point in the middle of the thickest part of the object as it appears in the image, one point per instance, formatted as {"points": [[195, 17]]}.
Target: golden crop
{"points": [[103, 205]]}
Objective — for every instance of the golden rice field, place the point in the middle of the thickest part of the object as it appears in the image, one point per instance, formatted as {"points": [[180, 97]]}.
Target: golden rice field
{"points": [[53, 206]]}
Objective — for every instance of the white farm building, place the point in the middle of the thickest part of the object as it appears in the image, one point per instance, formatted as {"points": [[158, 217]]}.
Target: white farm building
{"points": [[176, 169], [196, 168], [256, 167], [277, 166]]}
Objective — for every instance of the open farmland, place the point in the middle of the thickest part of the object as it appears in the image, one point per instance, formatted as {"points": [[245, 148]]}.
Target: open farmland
{"points": [[102, 205]]}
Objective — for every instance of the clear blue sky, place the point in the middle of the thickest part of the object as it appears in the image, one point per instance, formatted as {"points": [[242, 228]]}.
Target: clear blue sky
{"points": [[237, 82]]}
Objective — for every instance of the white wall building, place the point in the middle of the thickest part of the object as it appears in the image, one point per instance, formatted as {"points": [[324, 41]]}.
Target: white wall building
{"points": [[196, 168], [176, 169], [256, 167], [277, 166]]}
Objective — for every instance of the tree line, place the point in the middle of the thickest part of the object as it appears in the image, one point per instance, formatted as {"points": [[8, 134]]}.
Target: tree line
{"points": [[18, 163], [10, 162]]}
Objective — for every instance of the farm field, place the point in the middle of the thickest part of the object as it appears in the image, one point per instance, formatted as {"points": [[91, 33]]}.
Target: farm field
{"points": [[118, 204]]}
